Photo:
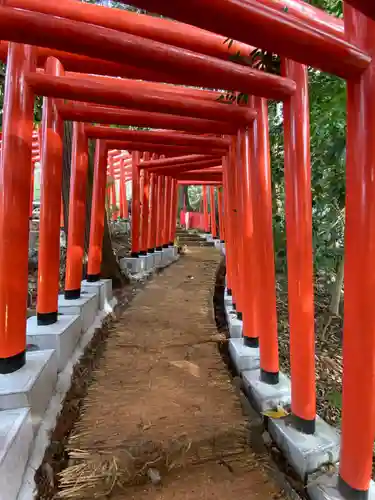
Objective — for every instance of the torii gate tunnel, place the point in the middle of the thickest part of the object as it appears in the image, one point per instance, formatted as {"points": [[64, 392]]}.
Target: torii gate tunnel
{"points": [[57, 50]]}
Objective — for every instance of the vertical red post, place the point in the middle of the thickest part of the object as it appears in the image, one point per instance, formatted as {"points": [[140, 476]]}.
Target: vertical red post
{"points": [[112, 189], [213, 212], [77, 213], [298, 212], [145, 208], [228, 226], [126, 208], [358, 406], [150, 236], [158, 214], [168, 209], [15, 179], [162, 209], [121, 188], [136, 208], [97, 212], [264, 262], [221, 213], [205, 210], [245, 242], [173, 211], [50, 205]]}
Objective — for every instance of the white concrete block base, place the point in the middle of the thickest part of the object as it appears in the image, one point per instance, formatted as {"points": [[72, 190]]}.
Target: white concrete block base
{"points": [[217, 243], [134, 265], [102, 287], [16, 437], [325, 488], [227, 298], [158, 256], [266, 396], [86, 307], [223, 249], [61, 336], [31, 386], [234, 326], [306, 453], [243, 357], [149, 263]]}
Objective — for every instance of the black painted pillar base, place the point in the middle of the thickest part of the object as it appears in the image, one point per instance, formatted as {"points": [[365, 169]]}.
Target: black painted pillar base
{"points": [[12, 364], [44, 319], [72, 294]]}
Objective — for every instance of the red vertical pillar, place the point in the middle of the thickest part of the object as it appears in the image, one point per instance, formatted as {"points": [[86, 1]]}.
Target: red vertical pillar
{"points": [[163, 206], [205, 210], [298, 211], [159, 243], [213, 212], [135, 223], [173, 212], [112, 189], [168, 209], [77, 213], [228, 226], [264, 262], [50, 205], [121, 188], [15, 179], [154, 211], [145, 208], [358, 406], [245, 242], [221, 213], [97, 212]]}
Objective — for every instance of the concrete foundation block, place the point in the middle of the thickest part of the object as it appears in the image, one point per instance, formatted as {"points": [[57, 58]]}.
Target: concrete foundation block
{"points": [[235, 327], [158, 256], [230, 313], [267, 396], [102, 287], [149, 264], [227, 298], [325, 488], [62, 336], [32, 386], [166, 257], [306, 453], [16, 437], [217, 244], [86, 307], [243, 357], [133, 265], [222, 249]]}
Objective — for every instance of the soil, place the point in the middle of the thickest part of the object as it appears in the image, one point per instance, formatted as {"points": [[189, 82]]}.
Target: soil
{"points": [[161, 418]]}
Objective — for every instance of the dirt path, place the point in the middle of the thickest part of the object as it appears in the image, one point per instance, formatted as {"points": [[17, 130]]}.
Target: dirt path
{"points": [[161, 419]]}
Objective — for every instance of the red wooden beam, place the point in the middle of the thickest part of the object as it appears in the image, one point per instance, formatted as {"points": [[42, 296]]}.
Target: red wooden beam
{"points": [[84, 64], [261, 26], [89, 90], [156, 137], [161, 30], [177, 160], [193, 68], [109, 115], [161, 148]]}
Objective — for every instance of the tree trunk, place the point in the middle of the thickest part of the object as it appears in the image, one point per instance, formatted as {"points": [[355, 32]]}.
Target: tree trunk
{"points": [[334, 306], [110, 268]]}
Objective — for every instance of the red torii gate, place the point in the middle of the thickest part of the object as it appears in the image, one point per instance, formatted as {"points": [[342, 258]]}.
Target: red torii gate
{"points": [[303, 39]]}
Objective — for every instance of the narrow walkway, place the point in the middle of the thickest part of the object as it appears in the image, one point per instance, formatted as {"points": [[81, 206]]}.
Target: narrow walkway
{"points": [[161, 419]]}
